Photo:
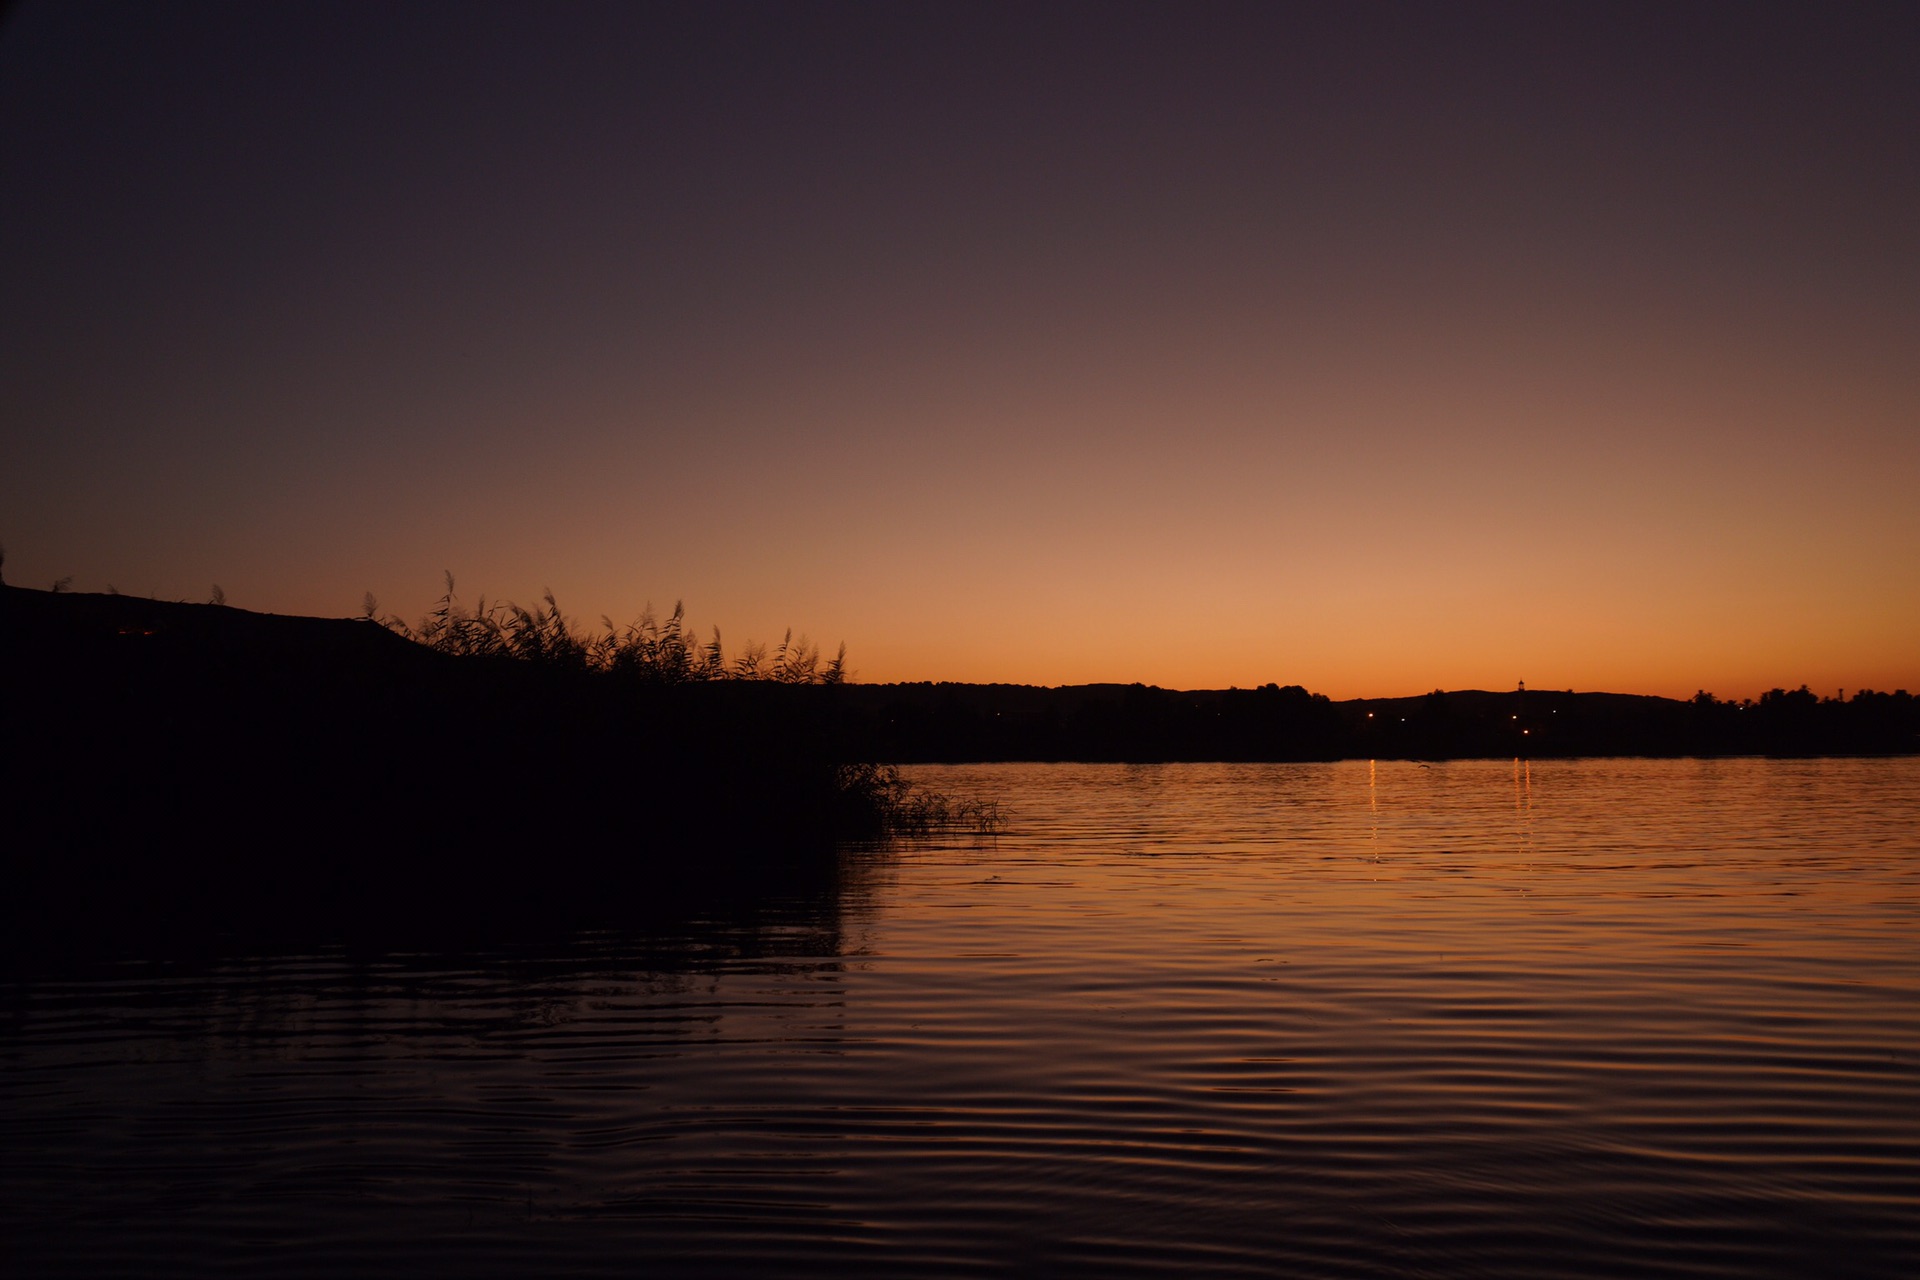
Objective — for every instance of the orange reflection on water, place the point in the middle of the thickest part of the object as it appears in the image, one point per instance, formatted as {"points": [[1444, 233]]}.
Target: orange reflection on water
{"points": [[1594, 867]]}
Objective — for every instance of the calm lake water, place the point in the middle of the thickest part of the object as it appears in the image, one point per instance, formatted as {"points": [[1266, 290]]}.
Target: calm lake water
{"points": [[1567, 1018]]}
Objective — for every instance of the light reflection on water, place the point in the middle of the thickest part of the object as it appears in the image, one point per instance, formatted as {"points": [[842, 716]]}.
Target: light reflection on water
{"points": [[1481, 1018]]}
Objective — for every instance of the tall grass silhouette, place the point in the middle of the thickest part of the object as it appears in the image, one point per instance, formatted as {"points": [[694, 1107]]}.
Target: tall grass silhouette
{"points": [[650, 650], [900, 808], [869, 801]]}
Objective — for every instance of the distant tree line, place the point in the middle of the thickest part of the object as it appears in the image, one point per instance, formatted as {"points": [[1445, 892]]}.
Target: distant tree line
{"points": [[954, 722]]}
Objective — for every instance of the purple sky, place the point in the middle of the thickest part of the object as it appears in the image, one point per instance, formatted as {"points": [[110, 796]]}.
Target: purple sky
{"points": [[1373, 348]]}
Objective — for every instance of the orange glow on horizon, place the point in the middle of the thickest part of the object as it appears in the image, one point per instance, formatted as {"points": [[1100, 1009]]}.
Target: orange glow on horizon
{"points": [[1066, 373]]}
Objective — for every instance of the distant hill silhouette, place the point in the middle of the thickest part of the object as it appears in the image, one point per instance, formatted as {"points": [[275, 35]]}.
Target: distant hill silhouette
{"points": [[958, 722]]}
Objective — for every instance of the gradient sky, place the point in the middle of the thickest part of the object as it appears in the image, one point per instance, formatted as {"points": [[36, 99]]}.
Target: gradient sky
{"points": [[1370, 348]]}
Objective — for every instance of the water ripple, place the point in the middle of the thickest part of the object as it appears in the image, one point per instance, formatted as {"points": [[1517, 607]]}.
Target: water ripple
{"points": [[1587, 1018]]}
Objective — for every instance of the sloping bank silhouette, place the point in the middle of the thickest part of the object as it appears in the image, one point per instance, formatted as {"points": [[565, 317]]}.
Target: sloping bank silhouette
{"points": [[202, 763]]}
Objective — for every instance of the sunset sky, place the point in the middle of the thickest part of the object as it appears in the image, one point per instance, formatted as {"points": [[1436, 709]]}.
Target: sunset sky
{"points": [[1369, 348]]}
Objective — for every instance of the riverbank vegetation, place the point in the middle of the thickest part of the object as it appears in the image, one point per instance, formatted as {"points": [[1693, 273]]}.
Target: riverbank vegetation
{"points": [[211, 766], [650, 650], [651, 654]]}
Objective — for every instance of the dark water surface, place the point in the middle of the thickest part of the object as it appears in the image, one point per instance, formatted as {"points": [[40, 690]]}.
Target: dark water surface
{"points": [[1573, 1018]]}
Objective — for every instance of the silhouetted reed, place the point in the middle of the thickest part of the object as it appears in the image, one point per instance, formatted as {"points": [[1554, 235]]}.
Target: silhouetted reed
{"points": [[868, 801], [649, 650], [894, 806]]}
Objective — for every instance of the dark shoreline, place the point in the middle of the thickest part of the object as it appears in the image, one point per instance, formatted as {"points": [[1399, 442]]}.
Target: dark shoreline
{"points": [[169, 765], [174, 769], [107, 654]]}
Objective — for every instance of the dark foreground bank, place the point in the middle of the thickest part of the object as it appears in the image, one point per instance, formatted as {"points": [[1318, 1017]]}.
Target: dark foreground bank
{"points": [[195, 763]]}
